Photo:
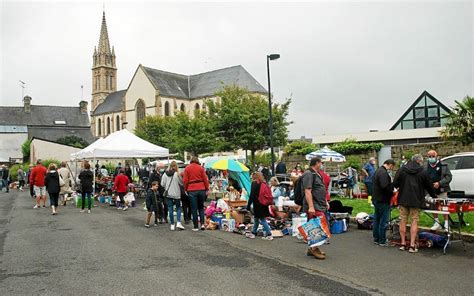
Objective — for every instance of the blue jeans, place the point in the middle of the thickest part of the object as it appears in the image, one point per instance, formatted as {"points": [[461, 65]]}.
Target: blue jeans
{"points": [[266, 227], [382, 211], [4, 183], [197, 199], [83, 197], [174, 202]]}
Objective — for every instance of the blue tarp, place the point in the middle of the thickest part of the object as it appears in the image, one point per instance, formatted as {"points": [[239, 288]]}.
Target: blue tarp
{"points": [[244, 180]]}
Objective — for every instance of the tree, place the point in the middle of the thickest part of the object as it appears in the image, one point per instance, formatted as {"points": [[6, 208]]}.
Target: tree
{"points": [[25, 149], [73, 141], [157, 130], [460, 122], [242, 120]]}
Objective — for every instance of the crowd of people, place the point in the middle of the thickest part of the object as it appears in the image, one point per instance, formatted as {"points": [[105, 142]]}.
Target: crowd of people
{"points": [[168, 191]]}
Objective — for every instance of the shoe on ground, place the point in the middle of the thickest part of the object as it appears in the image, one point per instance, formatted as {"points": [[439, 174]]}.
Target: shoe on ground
{"points": [[36, 207], [413, 249], [155, 224], [82, 211], [250, 235], [317, 253], [203, 227], [126, 208], [402, 248], [436, 226], [195, 229], [385, 244], [44, 206], [268, 238], [172, 227], [88, 211], [147, 225], [180, 226], [119, 208]]}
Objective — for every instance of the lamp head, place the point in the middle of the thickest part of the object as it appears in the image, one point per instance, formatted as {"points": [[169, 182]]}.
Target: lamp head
{"points": [[273, 56]]}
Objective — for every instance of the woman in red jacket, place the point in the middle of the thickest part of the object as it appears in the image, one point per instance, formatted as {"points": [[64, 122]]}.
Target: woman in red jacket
{"points": [[196, 185]]}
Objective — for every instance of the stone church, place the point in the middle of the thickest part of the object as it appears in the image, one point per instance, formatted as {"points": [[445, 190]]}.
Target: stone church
{"points": [[152, 91]]}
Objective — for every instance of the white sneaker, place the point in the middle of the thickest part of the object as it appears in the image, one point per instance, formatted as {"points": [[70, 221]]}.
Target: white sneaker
{"points": [[172, 227], [119, 208], [126, 208], [82, 211], [36, 207], [269, 238], [436, 226], [195, 229], [250, 235], [180, 226], [88, 211], [446, 226]]}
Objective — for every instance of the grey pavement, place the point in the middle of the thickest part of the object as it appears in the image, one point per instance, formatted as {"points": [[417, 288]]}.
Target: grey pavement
{"points": [[111, 252]]}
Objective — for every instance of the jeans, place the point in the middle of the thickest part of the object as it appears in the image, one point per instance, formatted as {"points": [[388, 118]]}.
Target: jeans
{"points": [[197, 199], [174, 202], [83, 197], [266, 227], [5, 184], [370, 188], [382, 211]]}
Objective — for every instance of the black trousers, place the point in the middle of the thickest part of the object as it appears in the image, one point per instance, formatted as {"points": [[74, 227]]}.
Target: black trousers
{"points": [[53, 199], [186, 205], [162, 211]]}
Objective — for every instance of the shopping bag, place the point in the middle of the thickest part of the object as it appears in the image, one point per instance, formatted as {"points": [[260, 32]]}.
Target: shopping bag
{"points": [[394, 199], [297, 222], [313, 232]]}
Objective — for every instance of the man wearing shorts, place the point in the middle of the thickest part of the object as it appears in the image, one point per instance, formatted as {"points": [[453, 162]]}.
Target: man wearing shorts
{"points": [[121, 187], [440, 176], [37, 181], [412, 181]]}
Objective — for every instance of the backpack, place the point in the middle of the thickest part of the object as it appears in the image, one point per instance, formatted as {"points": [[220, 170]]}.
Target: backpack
{"points": [[265, 196], [298, 194]]}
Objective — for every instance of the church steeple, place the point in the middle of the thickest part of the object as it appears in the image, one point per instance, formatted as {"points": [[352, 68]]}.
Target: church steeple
{"points": [[104, 69]]}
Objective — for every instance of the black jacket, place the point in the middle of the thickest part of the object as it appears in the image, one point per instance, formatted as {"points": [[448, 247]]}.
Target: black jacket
{"points": [[259, 210], [51, 181], [412, 181], [151, 199], [87, 180], [383, 189], [444, 177], [5, 174]]}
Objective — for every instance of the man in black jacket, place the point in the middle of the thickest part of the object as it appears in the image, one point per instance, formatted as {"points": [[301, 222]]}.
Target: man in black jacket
{"points": [[383, 191], [412, 181]]}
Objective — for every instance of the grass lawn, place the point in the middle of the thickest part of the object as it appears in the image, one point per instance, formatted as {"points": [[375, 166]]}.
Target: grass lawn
{"points": [[361, 205]]}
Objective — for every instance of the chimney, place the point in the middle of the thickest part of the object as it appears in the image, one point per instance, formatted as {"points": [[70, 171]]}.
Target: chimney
{"points": [[27, 104], [83, 106]]}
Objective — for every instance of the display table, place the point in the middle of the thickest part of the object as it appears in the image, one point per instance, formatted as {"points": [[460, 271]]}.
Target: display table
{"points": [[236, 203]]}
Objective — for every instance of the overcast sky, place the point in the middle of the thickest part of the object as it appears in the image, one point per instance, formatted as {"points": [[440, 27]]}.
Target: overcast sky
{"points": [[349, 66]]}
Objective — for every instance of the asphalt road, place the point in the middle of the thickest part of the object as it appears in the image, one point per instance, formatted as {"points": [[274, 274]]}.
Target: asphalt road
{"points": [[111, 252]]}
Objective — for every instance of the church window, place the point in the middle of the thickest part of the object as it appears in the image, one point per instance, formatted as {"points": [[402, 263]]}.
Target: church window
{"points": [[167, 109], [117, 122], [107, 82], [140, 110], [99, 127], [183, 109], [108, 125]]}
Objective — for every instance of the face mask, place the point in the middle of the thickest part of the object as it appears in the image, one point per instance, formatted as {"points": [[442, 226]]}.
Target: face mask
{"points": [[432, 160], [321, 167]]}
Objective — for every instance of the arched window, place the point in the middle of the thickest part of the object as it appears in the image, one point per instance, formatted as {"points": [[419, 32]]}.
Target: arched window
{"points": [[107, 86], [108, 125], [99, 127], [197, 107], [140, 109], [117, 123], [167, 109], [182, 108]]}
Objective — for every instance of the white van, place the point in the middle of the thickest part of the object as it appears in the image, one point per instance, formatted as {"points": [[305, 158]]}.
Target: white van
{"points": [[461, 166]]}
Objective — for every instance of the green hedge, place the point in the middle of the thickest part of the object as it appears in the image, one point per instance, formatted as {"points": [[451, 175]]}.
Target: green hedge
{"points": [[350, 146], [14, 168]]}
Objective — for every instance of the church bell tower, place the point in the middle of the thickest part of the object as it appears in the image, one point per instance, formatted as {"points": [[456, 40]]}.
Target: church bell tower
{"points": [[104, 70]]}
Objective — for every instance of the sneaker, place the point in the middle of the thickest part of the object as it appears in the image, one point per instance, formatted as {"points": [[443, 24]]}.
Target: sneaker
{"points": [[412, 249], [385, 244], [172, 227], [88, 211], [82, 211], [147, 225], [180, 226], [43, 205], [446, 226], [195, 229], [269, 238], [156, 224], [203, 227], [36, 207], [119, 208], [126, 208], [250, 235], [402, 248], [436, 226]]}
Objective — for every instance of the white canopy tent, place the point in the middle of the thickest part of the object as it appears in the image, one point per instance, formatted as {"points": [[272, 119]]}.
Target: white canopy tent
{"points": [[120, 145]]}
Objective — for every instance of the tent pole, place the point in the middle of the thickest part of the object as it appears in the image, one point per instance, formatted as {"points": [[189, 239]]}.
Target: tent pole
{"points": [[93, 188]]}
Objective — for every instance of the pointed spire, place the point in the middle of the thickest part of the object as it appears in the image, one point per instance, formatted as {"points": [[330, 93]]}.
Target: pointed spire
{"points": [[113, 51], [104, 45], [95, 50]]}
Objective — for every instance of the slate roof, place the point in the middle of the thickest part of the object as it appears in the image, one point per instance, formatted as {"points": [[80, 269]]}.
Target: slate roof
{"points": [[112, 103], [43, 116], [201, 85], [54, 133]]}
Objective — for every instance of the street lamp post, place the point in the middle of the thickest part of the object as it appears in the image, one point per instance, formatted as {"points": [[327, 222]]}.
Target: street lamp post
{"points": [[271, 57]]}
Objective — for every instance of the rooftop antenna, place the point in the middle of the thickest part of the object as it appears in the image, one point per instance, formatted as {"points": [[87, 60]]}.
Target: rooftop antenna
{"points": [[23, 86], [82, 92]]}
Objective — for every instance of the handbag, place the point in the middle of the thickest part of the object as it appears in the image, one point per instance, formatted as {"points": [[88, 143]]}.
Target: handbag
{"points": [[61, 181], [165, 194]]}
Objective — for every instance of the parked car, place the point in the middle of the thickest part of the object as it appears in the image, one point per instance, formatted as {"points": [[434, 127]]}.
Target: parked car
{"points": [[462, 168]]}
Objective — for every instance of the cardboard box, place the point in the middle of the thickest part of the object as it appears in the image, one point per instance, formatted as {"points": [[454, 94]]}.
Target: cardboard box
{"points": [[228, 225]]}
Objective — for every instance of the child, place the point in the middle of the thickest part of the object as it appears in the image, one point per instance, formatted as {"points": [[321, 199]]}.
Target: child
{"points": [[151, 202]]}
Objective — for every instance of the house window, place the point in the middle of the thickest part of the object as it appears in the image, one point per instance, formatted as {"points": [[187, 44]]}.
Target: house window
{"points": [[108, 125], [99, 127], [182, 108], [117, 122], [167, 109], [197, 107], [140, 109]]}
